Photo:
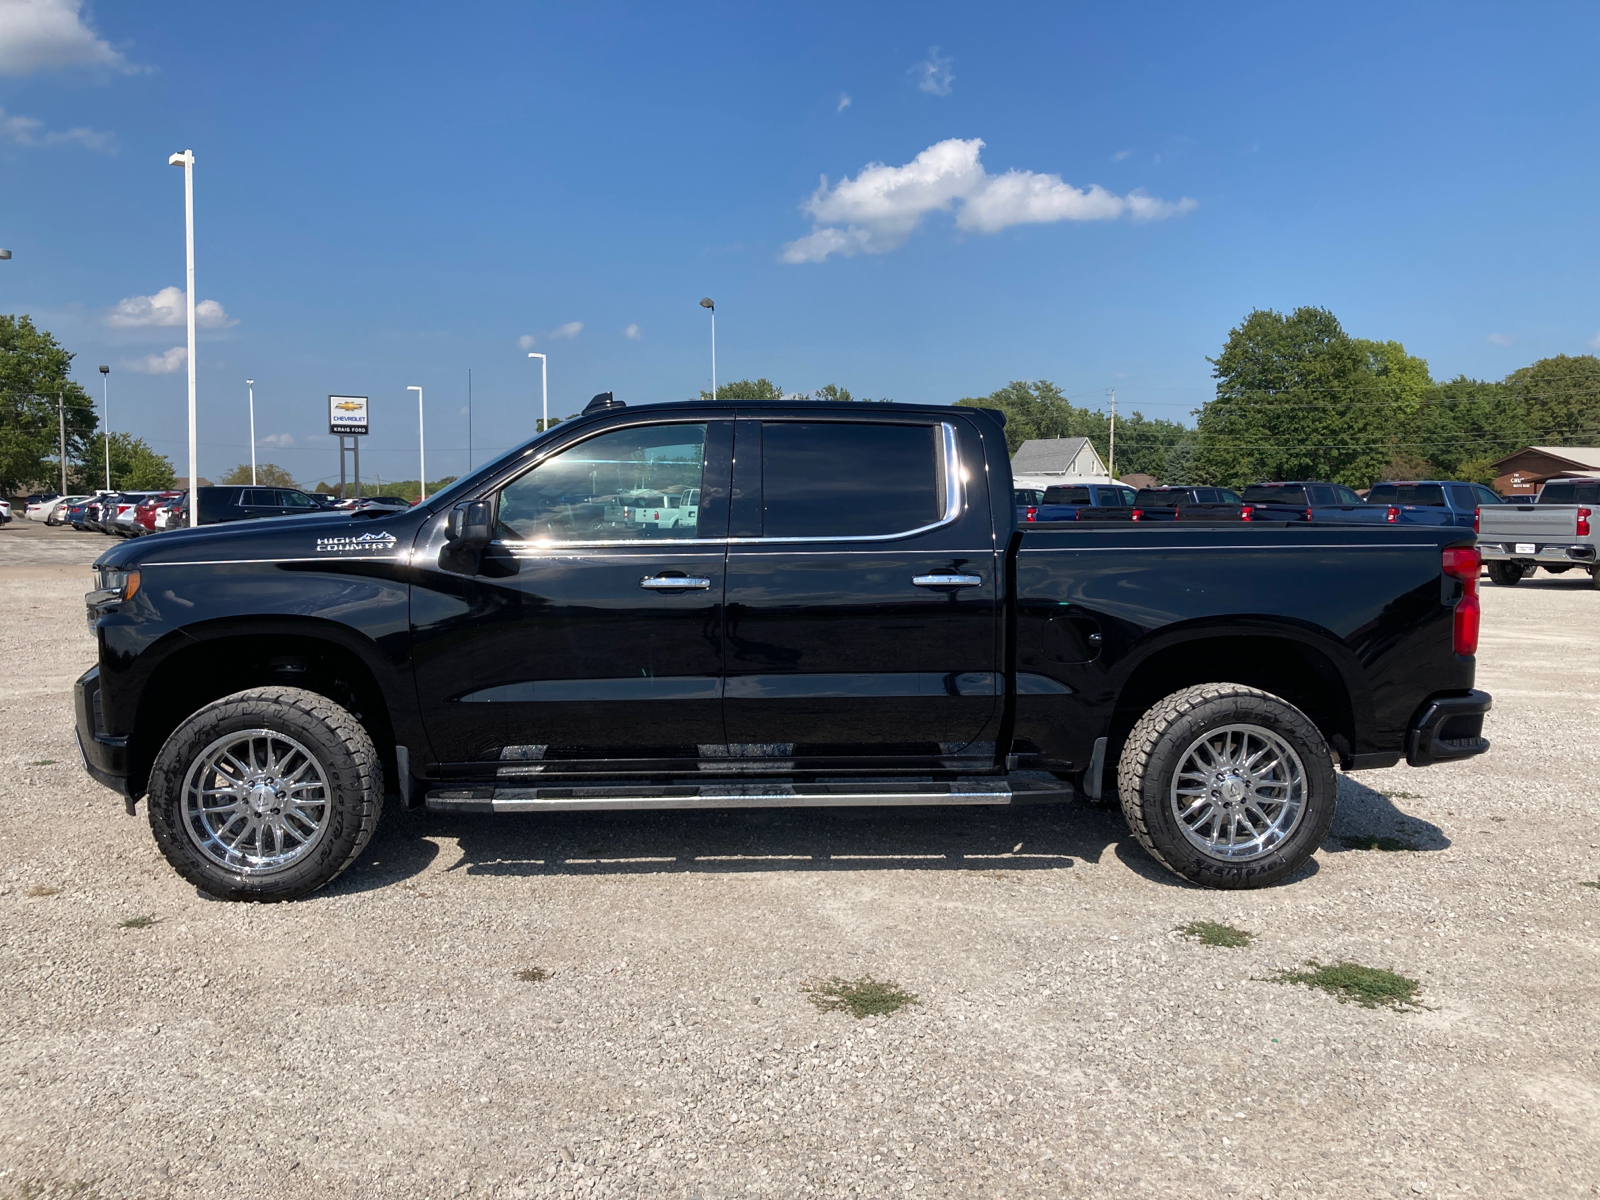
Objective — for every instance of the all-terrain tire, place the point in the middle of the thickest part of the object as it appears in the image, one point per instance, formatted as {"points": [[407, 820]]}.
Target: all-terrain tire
{"points": [[1503, 573], [343, 753], [1162, 740]]}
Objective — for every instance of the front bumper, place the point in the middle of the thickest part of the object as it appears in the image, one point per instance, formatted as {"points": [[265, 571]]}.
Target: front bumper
{"points": [[104, 757], [1447, 728]]}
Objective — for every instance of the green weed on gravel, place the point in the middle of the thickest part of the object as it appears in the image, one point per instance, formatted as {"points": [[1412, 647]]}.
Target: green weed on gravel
{"points": [[1594, 883], [41, 889], [864, 997], [1368, 841], [43, 762], [143, 922], [1370, 987], [533, 974], [1214, 933]]}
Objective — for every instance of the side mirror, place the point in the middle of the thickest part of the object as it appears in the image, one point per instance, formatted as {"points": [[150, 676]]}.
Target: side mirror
{"points": [[470, 525]]}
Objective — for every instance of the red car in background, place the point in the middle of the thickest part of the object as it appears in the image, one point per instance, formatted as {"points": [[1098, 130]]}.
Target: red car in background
{"points": [[144, 513]]}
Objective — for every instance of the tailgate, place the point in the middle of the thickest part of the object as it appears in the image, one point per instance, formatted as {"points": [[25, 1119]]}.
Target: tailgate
{"points": [[1527, 522]]}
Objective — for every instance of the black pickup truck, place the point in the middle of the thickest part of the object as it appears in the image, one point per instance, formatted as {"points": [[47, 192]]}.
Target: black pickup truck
{"points": [[841, 609]]}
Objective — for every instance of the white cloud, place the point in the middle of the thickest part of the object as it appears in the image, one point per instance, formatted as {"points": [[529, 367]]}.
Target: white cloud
{"points": [[30, 131], [570, 330], [159, 364], [166, 307], [1120, 155], [527, 341], [1504, 339], [882, 206], [1594, 342], [633, 333], [44, 35], [933, 73], [844, 102], [282, 440]]}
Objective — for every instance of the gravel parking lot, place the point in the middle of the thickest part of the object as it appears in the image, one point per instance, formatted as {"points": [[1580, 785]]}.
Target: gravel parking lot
{"points": [[391, 1036]]}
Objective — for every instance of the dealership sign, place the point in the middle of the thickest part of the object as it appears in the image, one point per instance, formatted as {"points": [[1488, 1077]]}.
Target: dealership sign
{"points": [[347, 415]]}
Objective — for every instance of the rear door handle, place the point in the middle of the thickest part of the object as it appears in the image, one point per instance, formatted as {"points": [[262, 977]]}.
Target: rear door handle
{"points": [[674, 583], [947, 581]]}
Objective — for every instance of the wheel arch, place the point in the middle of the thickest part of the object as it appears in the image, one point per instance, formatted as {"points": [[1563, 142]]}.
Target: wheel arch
{"points": [[1307, 666], [218, 658]]}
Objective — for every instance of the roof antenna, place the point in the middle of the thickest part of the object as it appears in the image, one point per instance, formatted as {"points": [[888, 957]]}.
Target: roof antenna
{"points": [[602, 402]]}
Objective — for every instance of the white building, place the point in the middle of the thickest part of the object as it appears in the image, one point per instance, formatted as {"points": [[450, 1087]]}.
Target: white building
{"points": [[1045, 462]]}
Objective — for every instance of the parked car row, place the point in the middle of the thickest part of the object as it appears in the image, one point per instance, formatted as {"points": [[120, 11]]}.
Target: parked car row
{"points": [[134, 514], [1295, 501]]}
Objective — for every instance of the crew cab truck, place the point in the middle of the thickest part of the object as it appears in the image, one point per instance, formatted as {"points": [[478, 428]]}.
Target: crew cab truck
{"points": [[1064, 502], [855, 618], [1556, 532], [1434, 502], [1313, 502]]}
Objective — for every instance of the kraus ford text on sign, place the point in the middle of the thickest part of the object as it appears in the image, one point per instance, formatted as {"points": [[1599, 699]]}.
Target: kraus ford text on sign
{"points": [[347, 415]]}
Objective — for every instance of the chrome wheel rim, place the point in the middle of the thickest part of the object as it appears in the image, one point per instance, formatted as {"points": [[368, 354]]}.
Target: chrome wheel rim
{"points": [[256, 802], [1239, 792]]}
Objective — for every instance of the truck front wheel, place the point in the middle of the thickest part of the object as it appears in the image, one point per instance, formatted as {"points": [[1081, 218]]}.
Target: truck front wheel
{"points": [[1504, 572], [1227, 785], [266, 794]]}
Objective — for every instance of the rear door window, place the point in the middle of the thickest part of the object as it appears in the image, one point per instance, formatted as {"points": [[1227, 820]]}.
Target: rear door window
{"points": [[258, 498], [844, 479], [1428, 495], [1461, 497], [1346, 495], [1323, 494]]}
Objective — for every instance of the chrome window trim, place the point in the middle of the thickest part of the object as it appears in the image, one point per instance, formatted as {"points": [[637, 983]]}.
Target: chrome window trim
{"points": [[953, 506]]}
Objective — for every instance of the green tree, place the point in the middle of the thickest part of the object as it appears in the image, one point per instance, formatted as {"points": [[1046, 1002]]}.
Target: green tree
{"points": [[1298, 398], [1466, 424], [267, 475], [135, 466], [33, 372], [747, 389], [1561, 399]]}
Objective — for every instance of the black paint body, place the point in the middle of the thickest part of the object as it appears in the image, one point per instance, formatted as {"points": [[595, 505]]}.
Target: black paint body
{"points": [[799, 656]]}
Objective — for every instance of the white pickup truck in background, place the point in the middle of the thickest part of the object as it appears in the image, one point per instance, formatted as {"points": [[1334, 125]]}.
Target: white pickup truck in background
{"points": [[1556, 532]]}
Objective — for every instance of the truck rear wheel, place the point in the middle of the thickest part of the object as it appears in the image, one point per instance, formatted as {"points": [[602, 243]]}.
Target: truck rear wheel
{"points": [[1227, 785], [1504, 573], [266, 794]]}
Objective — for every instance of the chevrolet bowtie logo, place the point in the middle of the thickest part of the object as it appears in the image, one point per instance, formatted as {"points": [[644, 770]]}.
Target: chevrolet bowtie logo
{"points": [[348, 406]]}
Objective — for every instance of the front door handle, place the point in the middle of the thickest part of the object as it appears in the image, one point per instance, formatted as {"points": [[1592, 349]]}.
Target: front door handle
{"points": [[947, 581], [674, 583]]}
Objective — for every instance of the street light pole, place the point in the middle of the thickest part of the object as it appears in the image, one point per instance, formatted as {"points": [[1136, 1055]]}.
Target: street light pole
{"points": [[422, 452], [105, 416], [251, 384], [706, 303], [186, 161], [544, 383]]}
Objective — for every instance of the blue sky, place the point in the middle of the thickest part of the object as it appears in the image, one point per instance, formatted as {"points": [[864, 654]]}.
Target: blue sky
{"points": [[392, 194]]}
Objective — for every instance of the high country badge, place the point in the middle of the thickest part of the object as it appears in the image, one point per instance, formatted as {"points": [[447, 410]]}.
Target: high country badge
{"points": [[366, 542]]}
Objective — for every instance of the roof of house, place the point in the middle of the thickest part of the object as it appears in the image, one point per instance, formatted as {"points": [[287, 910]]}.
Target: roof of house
{"points": [[1584, 457], [1053, 456]]}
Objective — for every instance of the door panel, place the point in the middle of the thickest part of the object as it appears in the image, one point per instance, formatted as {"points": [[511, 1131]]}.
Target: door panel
{"points": [[830, 645], [566, 639]]}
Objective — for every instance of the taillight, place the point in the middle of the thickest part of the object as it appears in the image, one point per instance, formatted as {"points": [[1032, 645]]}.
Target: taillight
{"points": [[1247, 512], [1464, 563], [1138, 514], [1583, 522], [1476, 513], [1309, 517], [1392, 515], [1033, 513]]}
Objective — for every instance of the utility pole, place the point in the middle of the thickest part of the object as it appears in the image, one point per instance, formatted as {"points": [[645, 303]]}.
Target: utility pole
{"points": [[1111, 467], [61, 415]]}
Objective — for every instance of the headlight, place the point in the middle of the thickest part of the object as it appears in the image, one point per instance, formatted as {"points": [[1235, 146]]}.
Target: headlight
{"points": [[123, 585]]}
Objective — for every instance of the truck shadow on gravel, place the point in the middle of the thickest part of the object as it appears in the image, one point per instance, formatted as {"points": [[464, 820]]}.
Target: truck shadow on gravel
{"points": [[936, 838], [1371, 820]]}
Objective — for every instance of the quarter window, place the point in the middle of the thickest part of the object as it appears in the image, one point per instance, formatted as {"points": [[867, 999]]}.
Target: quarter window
{"points": [[844, 479], [636, 484]]}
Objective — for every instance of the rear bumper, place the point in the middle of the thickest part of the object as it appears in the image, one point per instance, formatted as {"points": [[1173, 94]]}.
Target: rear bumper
{"points": [[1447, 728], [1564, 553], [104, 757]]}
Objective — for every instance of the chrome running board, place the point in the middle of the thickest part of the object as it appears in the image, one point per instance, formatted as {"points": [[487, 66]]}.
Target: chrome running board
{"points": [[741, 794]]}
